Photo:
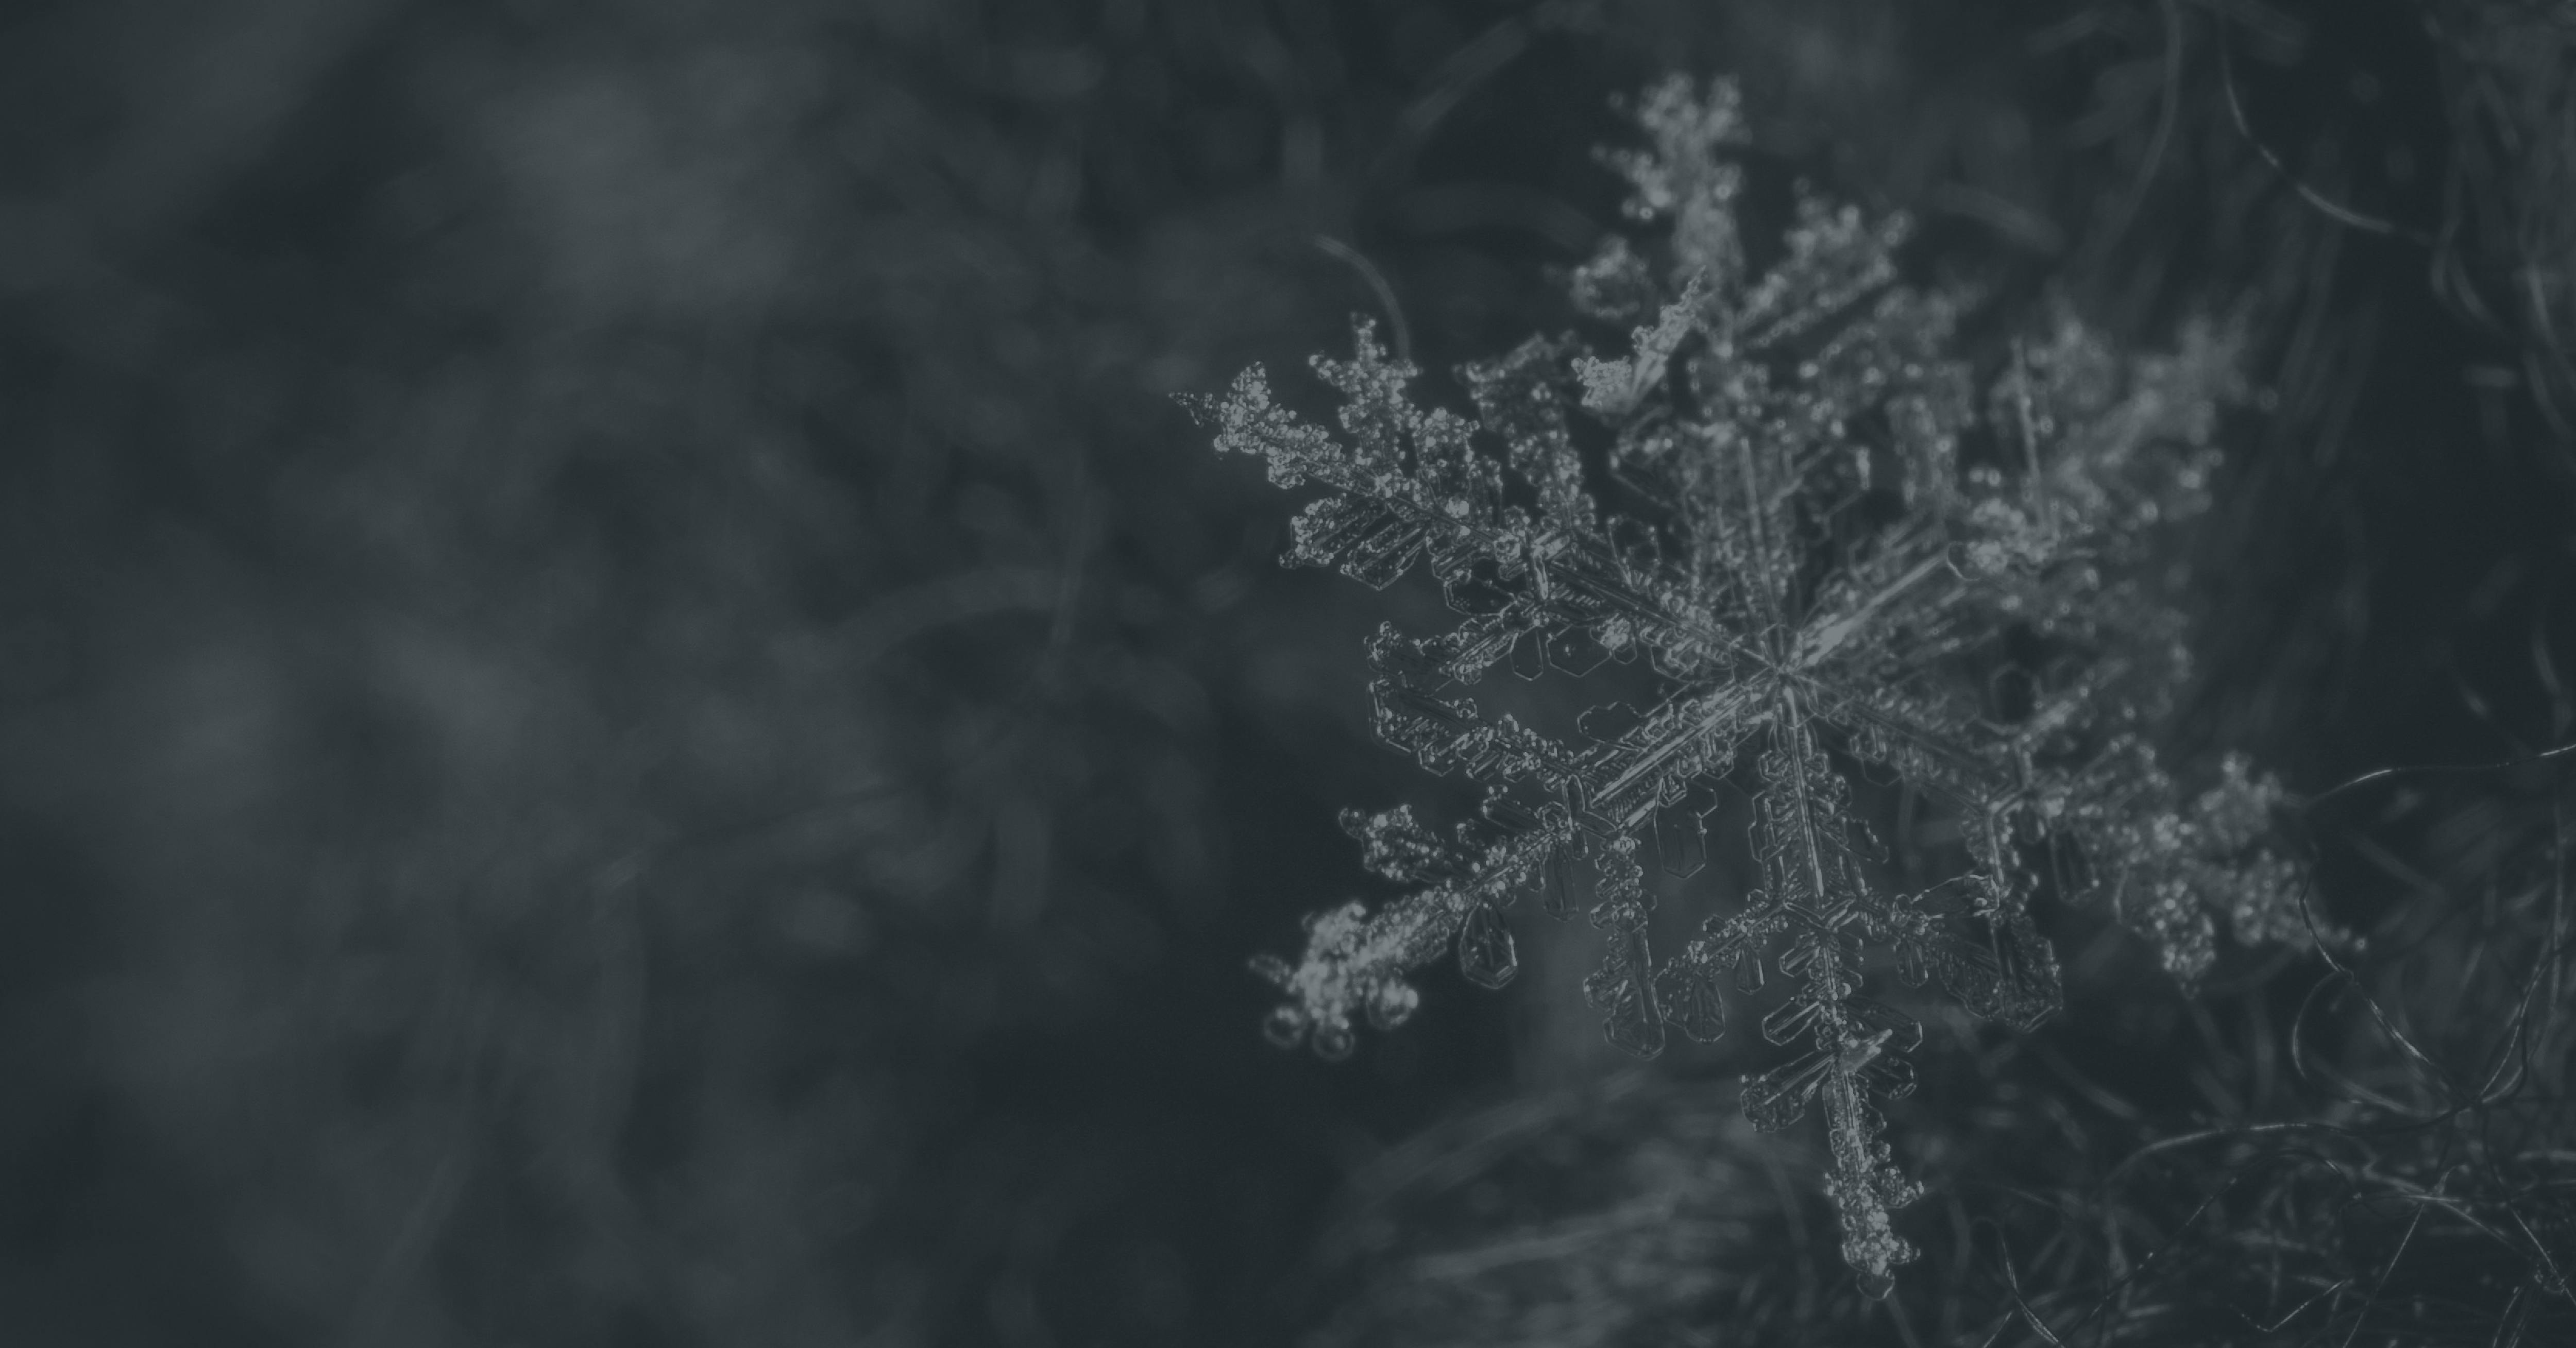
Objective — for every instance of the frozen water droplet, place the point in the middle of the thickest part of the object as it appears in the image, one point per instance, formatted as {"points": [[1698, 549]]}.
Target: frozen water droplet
{"points": [[1911, 968], [1632, 1029], [1620, 991], [1692, 1002], [1486, 954], [1284, 1026], [1681, 842], [1391, 1002], [1334, 1042]]}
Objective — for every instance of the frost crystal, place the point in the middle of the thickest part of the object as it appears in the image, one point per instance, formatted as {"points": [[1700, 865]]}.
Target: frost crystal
{"points": [[1845, 558]]}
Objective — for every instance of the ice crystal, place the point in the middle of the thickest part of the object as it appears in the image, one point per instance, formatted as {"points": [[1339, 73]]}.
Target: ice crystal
{"points": [[1842, 557]]}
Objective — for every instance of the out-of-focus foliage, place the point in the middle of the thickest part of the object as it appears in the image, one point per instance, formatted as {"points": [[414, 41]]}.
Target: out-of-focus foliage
{"points": [[2502, 246], [625, 706]]}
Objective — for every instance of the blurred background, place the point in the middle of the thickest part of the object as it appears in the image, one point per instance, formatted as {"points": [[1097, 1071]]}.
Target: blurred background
{"points": [[627, 715]]}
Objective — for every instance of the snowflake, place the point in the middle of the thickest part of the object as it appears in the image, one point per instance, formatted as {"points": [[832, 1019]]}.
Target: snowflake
{"points": [[1840, 559]]}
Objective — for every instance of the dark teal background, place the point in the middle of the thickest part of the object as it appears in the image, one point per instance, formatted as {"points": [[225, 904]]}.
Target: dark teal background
{"points": [[628, 717]]}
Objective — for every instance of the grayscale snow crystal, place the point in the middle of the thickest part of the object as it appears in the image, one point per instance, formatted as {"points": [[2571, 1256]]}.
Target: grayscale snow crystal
{"points": [[1848, 558]]}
